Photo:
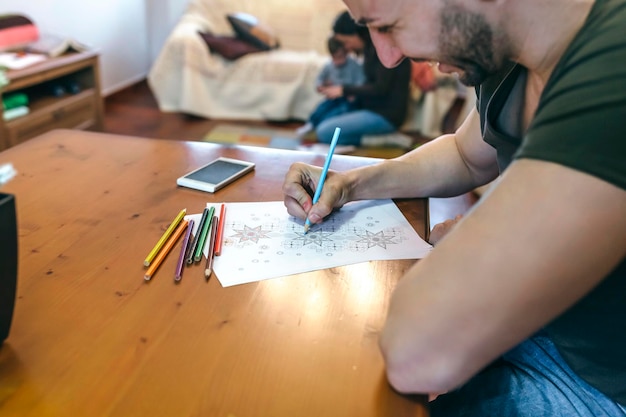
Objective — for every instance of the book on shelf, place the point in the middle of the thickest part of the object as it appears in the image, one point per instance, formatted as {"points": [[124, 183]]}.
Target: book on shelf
{"points": [[19, 60], [13, 100], [53, 46], [15, 112]]}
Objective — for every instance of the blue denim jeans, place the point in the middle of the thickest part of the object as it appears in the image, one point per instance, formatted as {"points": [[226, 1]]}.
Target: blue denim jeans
{"points": [[530, 380], [330, 108], [353, 125]]}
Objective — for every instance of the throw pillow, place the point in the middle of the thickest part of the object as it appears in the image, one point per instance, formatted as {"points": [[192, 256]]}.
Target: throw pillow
{"points": [[16, 31], [249, 29], [229, 47], [423, 76]]}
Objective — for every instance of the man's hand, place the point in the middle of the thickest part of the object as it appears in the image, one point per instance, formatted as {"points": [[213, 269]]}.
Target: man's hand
{"points": [[300, 184], [442, 229]]}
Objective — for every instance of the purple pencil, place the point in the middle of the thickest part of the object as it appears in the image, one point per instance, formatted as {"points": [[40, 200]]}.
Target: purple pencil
{"points": [[178, 275]]}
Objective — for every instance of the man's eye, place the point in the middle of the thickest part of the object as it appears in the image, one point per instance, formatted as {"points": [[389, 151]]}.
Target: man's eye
{"points": [[384, 29]]}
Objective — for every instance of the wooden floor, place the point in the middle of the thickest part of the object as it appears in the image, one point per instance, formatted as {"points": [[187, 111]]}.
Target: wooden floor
{"points": [[134, 112]]}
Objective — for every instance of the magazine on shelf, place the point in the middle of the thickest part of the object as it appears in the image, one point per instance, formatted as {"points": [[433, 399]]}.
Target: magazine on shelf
{"points": [[19, 60], [15, 112], [53, 45]]}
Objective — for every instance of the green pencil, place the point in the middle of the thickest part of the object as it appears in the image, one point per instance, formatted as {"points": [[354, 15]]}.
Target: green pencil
{"points": [[203, 235]]}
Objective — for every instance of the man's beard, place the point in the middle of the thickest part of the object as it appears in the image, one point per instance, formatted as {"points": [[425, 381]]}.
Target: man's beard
{"points": [[466, 40], [472, 74]]}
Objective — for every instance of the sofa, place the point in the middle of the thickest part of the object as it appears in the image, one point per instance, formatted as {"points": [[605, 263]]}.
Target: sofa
{"points": [[276, 84]]}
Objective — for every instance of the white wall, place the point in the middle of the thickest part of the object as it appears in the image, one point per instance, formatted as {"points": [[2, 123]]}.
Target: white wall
{"points": [[128, 33], [162, 16]]}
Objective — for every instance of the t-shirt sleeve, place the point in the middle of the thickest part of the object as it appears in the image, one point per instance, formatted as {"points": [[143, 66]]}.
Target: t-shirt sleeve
{"points": [[581, 118]]}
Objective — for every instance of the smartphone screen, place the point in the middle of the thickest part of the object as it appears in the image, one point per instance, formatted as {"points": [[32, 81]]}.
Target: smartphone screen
{"points": [[215, 175]]}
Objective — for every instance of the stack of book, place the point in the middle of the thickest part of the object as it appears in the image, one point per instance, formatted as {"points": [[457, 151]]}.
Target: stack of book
{"points": [[15, 105], [19, 60], [52, 46]]}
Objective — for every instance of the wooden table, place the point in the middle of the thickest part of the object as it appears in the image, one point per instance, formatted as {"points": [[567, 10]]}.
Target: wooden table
{"points": [[90, 337]]}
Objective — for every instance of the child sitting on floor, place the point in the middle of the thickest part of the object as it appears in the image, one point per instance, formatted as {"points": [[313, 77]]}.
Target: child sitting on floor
{"points": [[341, 70]]}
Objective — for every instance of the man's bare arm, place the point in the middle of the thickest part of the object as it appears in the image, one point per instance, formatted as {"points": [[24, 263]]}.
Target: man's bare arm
{"points": [[447, 166], [541, 239]]}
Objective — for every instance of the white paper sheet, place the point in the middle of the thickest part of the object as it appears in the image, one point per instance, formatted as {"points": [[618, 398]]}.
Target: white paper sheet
{"points": [[16, 61], [262, 241]]}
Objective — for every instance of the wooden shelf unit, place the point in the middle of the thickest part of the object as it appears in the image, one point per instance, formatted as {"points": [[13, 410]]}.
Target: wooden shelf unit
{"points": [[83, 110]]}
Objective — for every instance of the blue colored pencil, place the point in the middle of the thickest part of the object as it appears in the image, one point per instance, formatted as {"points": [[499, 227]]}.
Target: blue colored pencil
{"points": [[320, 185]]}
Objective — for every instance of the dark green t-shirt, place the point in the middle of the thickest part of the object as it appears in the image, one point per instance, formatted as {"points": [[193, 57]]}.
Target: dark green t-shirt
{"points": [[580, 123]]}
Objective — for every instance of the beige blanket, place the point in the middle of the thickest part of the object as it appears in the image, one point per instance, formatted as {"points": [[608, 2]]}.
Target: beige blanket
{"points": [[274, 85]]}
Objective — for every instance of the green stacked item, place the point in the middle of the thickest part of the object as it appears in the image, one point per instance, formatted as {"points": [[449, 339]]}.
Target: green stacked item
{"points": [[11, 101], [15, 105]]}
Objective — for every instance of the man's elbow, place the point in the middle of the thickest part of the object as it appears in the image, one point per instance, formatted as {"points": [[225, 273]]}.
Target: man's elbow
{"points": [[413, 370]]}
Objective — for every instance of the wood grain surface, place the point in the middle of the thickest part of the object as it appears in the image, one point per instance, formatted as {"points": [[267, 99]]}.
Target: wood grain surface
{"points": [[91, 337]]}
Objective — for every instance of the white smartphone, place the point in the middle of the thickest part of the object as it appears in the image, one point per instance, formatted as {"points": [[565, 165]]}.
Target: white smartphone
{"points": [[216, 174]]}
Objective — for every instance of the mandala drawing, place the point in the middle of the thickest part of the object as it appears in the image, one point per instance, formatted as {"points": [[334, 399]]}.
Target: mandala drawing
{"points": [[340, 232], [262, 241]]}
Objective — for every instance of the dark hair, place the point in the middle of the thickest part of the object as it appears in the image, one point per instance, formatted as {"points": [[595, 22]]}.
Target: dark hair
{"points": [[344, 24], [335, 45]]}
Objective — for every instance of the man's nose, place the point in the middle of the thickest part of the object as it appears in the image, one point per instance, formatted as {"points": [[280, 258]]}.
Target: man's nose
{"points": [[388, 53]]}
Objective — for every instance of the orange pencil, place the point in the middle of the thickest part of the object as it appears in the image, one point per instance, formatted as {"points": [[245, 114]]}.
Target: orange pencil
{"points": [[166, 249], [220, 232]]}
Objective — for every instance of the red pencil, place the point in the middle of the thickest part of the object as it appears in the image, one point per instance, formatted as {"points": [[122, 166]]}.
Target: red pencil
{"points": [[220, 231]]}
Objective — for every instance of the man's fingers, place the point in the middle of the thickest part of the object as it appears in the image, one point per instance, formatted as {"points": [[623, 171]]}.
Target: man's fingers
{"points": [[300, 184], [440, 230], [294, 208], [329, 200], [297, 190]]}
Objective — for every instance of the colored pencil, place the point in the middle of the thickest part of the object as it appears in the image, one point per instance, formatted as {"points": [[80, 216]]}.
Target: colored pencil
{"points": [[178, 273], [166, 249], [211, 255], [161, 242], [203, 235], [320, 185], [196, 238], [220, 231]]}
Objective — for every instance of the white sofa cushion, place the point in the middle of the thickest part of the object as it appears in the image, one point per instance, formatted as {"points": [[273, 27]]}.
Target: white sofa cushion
{"points": [[272, 85]]}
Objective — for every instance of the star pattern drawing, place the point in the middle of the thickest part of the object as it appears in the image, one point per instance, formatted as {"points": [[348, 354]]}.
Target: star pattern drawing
{"points": [[317, 239], [251, 234], [376, 239], [262, 241], [335, 235]]}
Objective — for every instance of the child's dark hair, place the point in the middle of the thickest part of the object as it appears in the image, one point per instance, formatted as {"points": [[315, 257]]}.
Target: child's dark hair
{"points": [[335, 45]]}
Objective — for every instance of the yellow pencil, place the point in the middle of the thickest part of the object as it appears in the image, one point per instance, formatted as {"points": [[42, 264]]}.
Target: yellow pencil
{"points": [[167, 234], [166, 249]]}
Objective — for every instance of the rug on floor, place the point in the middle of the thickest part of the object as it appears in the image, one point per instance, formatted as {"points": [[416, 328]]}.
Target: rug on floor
{"points": [[377, 146], [268, 137]]}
